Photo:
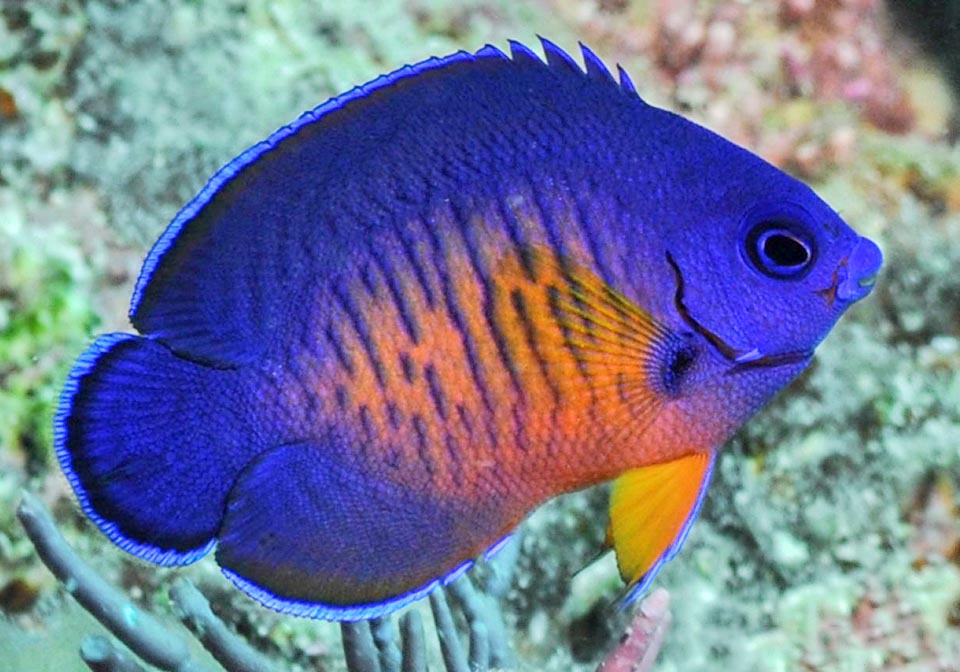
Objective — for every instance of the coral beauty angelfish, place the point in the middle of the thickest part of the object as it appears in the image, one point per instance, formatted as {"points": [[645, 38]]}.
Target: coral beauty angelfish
{"points": [[378, 339]]}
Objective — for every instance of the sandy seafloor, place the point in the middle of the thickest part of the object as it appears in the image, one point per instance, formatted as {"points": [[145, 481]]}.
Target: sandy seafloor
{"points": [[830, 539]]}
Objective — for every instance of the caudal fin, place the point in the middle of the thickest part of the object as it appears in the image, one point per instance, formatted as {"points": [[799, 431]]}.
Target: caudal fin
{"points": [[151, 444]]}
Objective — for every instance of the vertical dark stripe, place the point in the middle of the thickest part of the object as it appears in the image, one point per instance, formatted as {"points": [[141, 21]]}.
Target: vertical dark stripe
{"points": [[394, 416], [559, 247], [467, 340], [343, 357], [554, 237], [389, 274], [391, 456], [529, 332], [465, 421], [367, 279], [366, 422], [466, 337], [553, 301], [360, 326], [312, 406], [590, 230], [555, 442], [436, 393], [342, 397], [415, 264], [489, 301], [455, 458], [453, 311], [423, 448], [521, 245], [407, 367], [519, 437]]}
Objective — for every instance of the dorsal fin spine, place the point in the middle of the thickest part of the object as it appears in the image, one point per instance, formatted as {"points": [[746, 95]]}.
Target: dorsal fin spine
{"points": [[227, 172], [594, 66], [557, 57], [490, 51], [626, 84], [521, 53]]}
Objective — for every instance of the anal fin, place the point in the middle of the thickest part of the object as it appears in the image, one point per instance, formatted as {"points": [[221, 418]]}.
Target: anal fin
{"points": [[651, 512], [309, 532]]}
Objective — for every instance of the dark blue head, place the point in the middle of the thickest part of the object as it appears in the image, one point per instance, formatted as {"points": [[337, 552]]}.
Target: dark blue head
{"points": [[758, 263]]}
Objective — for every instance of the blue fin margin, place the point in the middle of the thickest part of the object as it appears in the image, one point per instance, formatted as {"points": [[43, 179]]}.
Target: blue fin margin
{"points": [[594, 66], [230, 170], [83, 366], [555, 58], [358, 612], [521, 53], [641, 587], [626, 84], [558, 58]]}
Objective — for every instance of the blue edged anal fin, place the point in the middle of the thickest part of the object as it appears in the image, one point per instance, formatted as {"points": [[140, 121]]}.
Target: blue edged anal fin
{"points": [[308, 533], [651, 512]]}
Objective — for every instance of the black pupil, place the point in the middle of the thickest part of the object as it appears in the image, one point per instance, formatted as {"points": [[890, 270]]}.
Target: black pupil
{"points": [[784, 250]]}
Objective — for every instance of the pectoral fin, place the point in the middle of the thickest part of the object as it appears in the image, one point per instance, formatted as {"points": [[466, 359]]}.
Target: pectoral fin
{"points": [[651, 512]]}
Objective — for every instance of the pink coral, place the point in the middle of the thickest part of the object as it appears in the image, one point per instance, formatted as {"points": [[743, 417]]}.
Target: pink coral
{"points": [[757, 71], [838, 49], [640, 645]]}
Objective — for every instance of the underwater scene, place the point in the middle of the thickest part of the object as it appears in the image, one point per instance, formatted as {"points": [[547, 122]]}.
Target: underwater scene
{"points": [[442, 374]]}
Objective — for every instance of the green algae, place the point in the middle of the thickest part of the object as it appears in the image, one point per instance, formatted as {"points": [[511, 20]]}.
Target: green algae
{"points": [[46, 314]]}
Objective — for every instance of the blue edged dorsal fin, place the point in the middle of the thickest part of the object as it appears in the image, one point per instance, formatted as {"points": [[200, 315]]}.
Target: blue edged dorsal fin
{"points": [[186, 298], [557, 57], [490, 51], [521, 53], [594, 66], [626, 84], [229, 272]]}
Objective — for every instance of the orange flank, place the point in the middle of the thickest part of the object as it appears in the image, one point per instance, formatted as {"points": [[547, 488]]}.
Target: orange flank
{"points": [[527, 375]]}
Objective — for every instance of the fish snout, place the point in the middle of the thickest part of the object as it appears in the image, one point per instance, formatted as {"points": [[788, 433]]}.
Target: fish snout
{"points": [[859, 274]]}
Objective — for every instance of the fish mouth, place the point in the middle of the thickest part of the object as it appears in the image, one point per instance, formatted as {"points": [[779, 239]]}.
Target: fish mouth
{"points": [[740, 359], [860, 271]]}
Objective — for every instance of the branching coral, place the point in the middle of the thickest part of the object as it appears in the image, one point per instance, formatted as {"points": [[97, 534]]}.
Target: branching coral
{"points": [[368, 646]]}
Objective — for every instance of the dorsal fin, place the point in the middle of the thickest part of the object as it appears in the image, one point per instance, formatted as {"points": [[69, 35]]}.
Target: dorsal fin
{"points": [[595, 67], [626, 84], [490, 51], [558, 58], [206, 290], [521, 53], [181, 316], [253, 153]]}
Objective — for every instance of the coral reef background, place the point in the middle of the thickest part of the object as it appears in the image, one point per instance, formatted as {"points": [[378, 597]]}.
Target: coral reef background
{"points": [[831, 536]]}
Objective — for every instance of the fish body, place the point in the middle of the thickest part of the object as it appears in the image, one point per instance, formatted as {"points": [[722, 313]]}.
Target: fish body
{"points": [[375, 341]]}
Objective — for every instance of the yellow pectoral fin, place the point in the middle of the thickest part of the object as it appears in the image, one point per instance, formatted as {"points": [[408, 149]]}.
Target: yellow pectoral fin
{"points": [[651, 511]]}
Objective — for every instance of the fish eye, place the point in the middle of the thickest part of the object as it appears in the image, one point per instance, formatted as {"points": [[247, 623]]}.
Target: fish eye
{"points": [[779, 250]]}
